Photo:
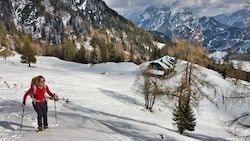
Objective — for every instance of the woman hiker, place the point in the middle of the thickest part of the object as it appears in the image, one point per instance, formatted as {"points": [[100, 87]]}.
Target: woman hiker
{"points": [[37, 92]]}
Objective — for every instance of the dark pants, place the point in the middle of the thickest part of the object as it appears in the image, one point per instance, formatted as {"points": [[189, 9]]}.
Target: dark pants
{"points": [[41, 110]]}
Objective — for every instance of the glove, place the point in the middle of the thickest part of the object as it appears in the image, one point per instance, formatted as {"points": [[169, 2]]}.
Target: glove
{"points": [[23, 104], [55, 97]]}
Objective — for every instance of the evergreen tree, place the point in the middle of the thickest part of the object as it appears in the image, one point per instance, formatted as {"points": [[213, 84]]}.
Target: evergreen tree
{"points": [[17, 43], [94, 56], [156, 53], [183, 115], [28, 54], [104, 51], [111, 53], [69, 50], [101, 49], [80, 55]]}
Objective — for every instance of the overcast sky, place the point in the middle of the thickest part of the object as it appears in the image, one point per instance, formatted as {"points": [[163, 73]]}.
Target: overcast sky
{"points": [[199, 7]]}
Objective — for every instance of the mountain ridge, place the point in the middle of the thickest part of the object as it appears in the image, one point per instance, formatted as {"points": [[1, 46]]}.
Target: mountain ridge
{"points": [[238, 19], [181, 23]]}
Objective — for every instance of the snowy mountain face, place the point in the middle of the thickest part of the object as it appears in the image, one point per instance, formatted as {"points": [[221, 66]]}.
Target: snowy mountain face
{"points": [[181, 23], [239, 19], [37, 17], [165, 20], [78, 20], [220, 37]]}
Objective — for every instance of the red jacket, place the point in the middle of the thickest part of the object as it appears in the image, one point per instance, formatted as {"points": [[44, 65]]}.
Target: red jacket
{"points": [[39, 95]]}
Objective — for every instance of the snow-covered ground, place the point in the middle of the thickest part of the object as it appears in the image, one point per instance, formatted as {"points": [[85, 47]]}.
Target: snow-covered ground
{"points": [[102, 107]]}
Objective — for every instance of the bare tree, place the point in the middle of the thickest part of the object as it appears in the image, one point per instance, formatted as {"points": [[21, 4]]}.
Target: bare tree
{"points": [[238, 73], [149, 87]]}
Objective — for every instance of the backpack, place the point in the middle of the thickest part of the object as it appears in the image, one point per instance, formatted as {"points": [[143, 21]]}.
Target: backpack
{"points": [[34, 83]]}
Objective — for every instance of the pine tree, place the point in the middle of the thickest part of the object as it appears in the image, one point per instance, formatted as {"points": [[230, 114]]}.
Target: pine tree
{"points": [[69, 50], [28, 54], [103, 49], [190, 118], [3, 32], [94, 56], [184, 118], [156, 54], [80, 55], [111, 52]]}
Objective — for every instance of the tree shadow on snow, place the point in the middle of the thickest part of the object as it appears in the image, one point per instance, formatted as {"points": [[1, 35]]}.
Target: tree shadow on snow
{"points": [[14, 126], [121, 97], [11, 113], [120, 125]]}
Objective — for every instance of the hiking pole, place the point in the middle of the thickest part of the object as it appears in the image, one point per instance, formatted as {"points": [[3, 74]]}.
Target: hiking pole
{"points": [[55, 112], [21, 125]]}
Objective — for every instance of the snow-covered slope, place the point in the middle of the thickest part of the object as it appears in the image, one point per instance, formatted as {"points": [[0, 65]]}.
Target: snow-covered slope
{"points": [[102, 105]]}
